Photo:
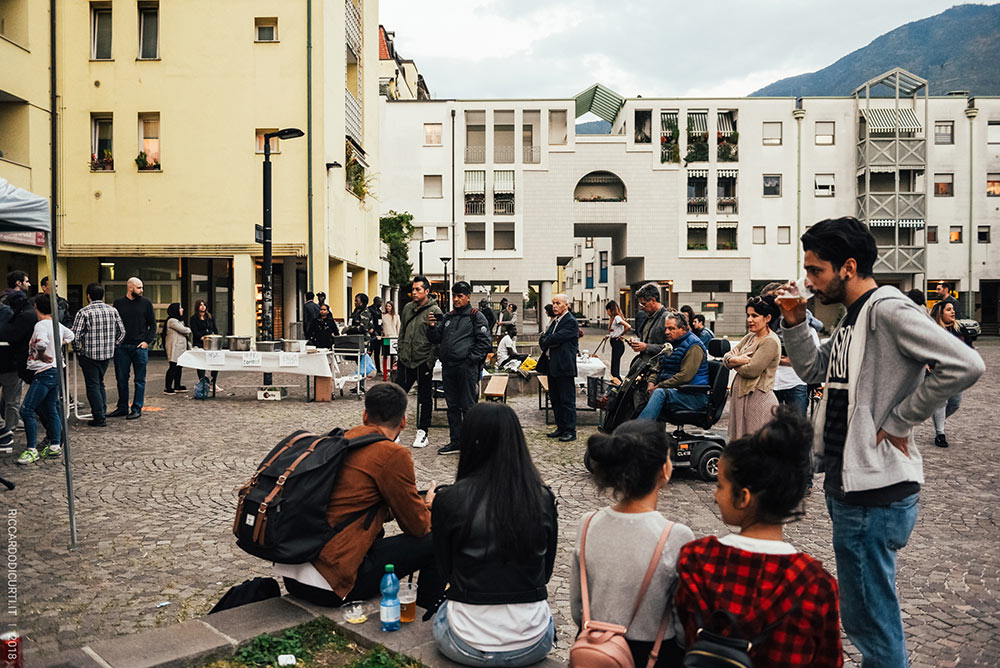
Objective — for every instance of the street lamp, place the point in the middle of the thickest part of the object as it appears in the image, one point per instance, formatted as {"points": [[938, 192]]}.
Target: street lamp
{"points": [[447, 288], [267, 296], [425, 241]]}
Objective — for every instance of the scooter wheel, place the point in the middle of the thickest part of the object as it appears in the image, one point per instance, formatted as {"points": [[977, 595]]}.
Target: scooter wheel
{"points": [[708, 467]]}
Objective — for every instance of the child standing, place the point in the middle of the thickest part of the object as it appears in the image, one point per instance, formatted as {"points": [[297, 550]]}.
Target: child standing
{"points": [[782, 598]]}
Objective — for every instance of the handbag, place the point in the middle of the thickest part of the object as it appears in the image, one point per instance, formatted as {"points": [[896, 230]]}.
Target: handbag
{"points": [[603, 645], [542, 365]]}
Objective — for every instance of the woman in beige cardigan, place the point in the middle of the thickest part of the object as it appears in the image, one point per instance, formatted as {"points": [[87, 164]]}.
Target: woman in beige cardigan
{"points": [[175, 342], [755, 360]]}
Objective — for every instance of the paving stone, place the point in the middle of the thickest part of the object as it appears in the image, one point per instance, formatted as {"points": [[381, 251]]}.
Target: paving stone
{"points": [[74, 658], [249, 621], [177, 646]]}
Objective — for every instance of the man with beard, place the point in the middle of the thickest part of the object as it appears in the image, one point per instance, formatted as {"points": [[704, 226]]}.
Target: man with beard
{"points": [[873, 369]]}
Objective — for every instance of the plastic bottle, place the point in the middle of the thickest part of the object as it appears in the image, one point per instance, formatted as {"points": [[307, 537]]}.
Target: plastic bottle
{"points": [[389, 607]]}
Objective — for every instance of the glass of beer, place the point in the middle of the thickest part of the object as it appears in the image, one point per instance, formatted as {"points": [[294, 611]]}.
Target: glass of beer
{"points": [[407, 601], [796, 292]]}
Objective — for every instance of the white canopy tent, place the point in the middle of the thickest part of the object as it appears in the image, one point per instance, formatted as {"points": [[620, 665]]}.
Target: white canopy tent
{"points": [[23, 211]]}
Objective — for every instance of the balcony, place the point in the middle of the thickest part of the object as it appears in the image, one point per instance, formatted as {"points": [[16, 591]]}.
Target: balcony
{"points": [[901, 259], [352, 117], [352, 26], [532, 155], [475, 155], [475, 206], [893, 206], [697, 205], [503, 207], [905, 152], [601, 212], [727, 205], [503, 155]]}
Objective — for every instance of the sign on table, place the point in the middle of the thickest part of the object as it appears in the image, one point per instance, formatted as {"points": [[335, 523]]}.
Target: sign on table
{"points": [[251, 358], [215, 357], [288, 359]]}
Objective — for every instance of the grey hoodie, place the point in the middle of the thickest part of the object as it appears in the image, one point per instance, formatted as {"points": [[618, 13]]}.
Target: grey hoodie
{"points": [[892, 342]]}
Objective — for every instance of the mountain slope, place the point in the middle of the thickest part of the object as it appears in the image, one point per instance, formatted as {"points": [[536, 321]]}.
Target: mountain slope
{"points": [[958, 49]]}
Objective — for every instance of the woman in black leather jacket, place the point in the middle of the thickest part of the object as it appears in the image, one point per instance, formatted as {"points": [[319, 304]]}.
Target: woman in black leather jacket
{"points": [[495, 543]]}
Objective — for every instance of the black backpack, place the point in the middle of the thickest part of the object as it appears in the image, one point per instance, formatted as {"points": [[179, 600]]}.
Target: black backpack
{"points": [[711, 649], [281, 513]]}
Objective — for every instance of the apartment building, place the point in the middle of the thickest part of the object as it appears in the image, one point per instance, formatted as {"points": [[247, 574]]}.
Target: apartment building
{"points": [[398, 77], [162, 126], [706, 197]]}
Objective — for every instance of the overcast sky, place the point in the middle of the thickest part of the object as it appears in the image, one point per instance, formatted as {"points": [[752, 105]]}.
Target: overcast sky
{"points": [[654, 48]]}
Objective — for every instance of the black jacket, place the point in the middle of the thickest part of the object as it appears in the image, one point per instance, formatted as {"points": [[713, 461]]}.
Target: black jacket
{"points": [[473, 564], [17, 332], [560, 344], [309, 313], [322, 331], [462, 337], [201, 328]]}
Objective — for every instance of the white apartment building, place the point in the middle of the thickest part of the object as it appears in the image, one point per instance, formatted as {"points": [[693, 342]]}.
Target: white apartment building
{"points": [[706, 197]]}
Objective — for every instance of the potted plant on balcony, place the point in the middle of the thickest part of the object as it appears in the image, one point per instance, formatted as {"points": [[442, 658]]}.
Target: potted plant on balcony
{"points": [[96, 164], [108, 160], [356, 182], [143, 163]]}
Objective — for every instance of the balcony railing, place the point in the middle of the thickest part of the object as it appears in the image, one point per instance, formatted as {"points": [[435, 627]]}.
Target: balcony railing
{"points": [[901, 259], [905, 152], [475, 155], [352, 117], [475, 207], [697, 205], [532, 155], [352, 26], [503, 207], [891, 205], [503, 155], [601, 212], [727, 205]]}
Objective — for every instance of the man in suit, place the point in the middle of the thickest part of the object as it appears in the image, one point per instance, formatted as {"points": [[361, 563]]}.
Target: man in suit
{"points": [[560, 343]]}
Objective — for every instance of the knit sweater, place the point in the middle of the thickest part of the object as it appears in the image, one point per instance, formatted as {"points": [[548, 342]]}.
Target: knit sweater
{"points": [[758, 374]]}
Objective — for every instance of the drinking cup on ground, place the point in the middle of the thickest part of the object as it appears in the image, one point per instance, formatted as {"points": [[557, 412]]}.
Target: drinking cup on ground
{"points": [[407, 601]]}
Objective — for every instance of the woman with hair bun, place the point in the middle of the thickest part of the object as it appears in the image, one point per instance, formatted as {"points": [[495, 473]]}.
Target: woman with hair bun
{"points": [[755, 359], [632, 464], [782, 599]]}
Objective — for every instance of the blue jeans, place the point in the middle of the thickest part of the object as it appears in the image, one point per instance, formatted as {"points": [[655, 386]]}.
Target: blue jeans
{"points": [[946, 411], [43, 396], [865, 542], [674, 399], [797, 397], [461, 652], [131, 355]]}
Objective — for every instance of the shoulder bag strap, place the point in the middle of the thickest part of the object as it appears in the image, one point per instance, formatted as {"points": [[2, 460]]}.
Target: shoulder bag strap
{"points": [[651, 569], [584, 592], [654, 653]]}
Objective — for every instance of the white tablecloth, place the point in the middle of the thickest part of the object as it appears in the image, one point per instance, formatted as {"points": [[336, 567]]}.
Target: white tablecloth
{"points": [[309, 364], [584, 368]]}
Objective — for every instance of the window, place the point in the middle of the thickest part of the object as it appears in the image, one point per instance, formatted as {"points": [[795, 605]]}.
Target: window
{"points": [[101, 146], [955, 234], [557, 127], [265, 29], [503, 236], [983, 234], [932, 234], [944, 185], [503, 192], [825, 186], [475, 236], [418, 234], [697, 236], [759, 235], [432, 134], [944, 132], [725, 235], [772, 185], [824, 133], [590, 275], [149, 28], [604, 266], [149, 141], [711, 286], [993, 185], [589, 242], [432, 185], [275, 148], [993, 132], [772, 133], [643, 126], [100, 32], [784, 235], [441, 234]]}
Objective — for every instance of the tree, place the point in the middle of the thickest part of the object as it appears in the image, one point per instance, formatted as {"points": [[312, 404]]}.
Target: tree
{"points": [[395, 230]]}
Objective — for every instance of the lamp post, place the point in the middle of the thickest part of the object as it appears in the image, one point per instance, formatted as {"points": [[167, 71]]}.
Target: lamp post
{"points": [[421, 243], [267, 294], [447, 288]]}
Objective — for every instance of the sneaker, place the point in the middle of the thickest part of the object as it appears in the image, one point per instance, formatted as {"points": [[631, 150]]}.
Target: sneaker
{"points": [[5, 434], [167, 391], [29, 456], [450, 449], [421, 441], [219, 388], [182, 388], [6, 440], [941, 441], [51, 451]]}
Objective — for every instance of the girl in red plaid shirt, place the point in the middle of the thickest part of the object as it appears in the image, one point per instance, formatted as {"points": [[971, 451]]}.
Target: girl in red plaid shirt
{"points": [[771, 588]]}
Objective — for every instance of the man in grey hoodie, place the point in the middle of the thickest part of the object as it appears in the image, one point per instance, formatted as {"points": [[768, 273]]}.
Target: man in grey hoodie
{"points": [[875, 393]]}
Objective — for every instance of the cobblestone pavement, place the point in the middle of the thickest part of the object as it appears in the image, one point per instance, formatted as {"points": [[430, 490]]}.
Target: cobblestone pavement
{"points": [[155, 500]]}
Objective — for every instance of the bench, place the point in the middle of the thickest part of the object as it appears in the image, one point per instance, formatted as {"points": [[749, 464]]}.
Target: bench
{"points": [[543, 390], [496, 388]]}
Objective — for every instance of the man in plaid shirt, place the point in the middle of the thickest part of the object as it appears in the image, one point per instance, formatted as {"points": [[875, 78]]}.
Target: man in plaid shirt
{"points": [[98, 328]]}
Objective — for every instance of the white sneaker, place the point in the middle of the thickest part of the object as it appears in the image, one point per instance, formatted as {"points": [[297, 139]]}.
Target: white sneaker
{"points": [[421, 441]]}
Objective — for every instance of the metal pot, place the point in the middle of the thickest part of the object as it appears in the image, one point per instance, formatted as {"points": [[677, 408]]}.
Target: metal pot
{"points": [[294, 345], [212, 342], [239, 343], [268, 346]]}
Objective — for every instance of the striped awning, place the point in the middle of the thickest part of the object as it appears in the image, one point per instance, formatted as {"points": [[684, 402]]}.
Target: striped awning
{"points": [[888, 120], [697, 173], [726, 225], [728, 173], [698, 225], [503, 181], [475, 182], [824, 180], [668, 118], [598, 177], [881, 222], [727, 125], [911, 222], [882, 169], [600, 101], [698, 122]]}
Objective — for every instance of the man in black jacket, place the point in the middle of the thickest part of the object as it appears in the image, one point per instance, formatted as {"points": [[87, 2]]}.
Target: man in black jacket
{"points": [[560, 343], [133, 352], [652, 333], [310, 311], [463, 340], [16, 331], [64, 318]]}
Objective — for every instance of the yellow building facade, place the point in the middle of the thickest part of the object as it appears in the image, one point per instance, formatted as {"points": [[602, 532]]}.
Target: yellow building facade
{"points": [[162, 108]]}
